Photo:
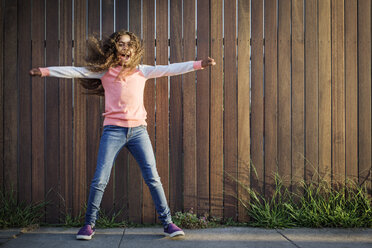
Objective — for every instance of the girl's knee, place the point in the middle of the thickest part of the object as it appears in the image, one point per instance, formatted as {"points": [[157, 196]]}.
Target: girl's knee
{"points": [[99, 184], [153, 182]]}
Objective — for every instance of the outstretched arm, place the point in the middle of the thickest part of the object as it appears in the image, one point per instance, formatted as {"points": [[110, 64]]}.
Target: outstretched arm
{"points": [[65, 72], [175, 68]]}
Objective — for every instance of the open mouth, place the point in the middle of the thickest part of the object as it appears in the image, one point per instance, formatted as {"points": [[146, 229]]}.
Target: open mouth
{"points": [[125, 56]]}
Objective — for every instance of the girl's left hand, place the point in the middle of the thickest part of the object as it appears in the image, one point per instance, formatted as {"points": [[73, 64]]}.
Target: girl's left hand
{"points": [[208, 62]]}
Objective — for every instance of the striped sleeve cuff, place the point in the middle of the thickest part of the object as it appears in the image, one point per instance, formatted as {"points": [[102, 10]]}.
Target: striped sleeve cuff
{"points": [[198, 65], [44, 71]]}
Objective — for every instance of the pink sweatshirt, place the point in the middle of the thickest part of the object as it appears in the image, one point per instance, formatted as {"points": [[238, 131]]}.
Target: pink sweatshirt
{"points": [[123, 95]]}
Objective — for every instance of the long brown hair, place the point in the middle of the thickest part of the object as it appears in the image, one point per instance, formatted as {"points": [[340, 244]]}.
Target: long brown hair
{"points": [[102, 55]]}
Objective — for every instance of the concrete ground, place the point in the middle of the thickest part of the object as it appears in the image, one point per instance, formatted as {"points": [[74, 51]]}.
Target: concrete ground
{"points": [[230, 237]]}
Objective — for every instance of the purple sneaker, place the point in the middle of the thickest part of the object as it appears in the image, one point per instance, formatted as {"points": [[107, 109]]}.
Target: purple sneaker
{"points": [[172, 231], [85, 233]]}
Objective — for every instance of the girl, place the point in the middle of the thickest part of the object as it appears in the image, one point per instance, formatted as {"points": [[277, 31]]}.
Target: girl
{"points": [[114, 71]]}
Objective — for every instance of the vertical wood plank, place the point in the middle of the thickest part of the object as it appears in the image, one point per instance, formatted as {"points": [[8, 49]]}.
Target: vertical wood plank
{"points": [[149, 98], [216, 150], [107, 30], [189, 111], [175, 109], [202, 108], [231, 110], [121, 163], [80, 134], [107, 17], [162, 100], [65, 110], [2, 95], [325, 129], [364, 74], [244, 156], [93, 128], [298, 92], [121, 20], [10, 97], [311, 85], [271, 98], [351, 91], [257, 111], [135, 178], [51, 115], [338, 92], [24, 81], [38, 105], [284, 92]]}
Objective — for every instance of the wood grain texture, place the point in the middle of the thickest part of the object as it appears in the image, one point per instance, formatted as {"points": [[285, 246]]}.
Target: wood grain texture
{"points": [[271, 96], [175, 109], [38, 105], [24, 82], [216, 150], [284, 92], [257, 110], [230, 111], [311, 89], [189, 111], [2, 95], [202, 107], [338, 92], [298, 93], [65, 110], [325, 127], [121, 20], [364, 74], [80, 186], [351, 90], [10, 98], [51, 115], [244, 155]]}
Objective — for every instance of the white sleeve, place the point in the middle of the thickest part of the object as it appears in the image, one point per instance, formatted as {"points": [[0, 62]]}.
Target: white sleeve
{"points": [[169, 70], [70, 72]]}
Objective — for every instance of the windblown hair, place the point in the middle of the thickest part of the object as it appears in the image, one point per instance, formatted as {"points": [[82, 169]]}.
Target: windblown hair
{"points": [[102, 55]]}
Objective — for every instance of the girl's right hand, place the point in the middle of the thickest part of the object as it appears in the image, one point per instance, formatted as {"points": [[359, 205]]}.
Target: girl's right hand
{"points": [[35, 72]]}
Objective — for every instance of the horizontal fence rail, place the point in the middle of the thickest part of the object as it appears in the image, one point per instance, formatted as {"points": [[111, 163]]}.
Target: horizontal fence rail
{"points": [[290, 94]]}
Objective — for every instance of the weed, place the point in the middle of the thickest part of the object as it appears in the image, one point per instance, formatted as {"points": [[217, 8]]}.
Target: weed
{"points": [[104, 220], [319, 205], [189, 220], [19, 214]]}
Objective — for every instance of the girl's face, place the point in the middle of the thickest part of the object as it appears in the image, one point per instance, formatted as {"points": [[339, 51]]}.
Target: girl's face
{"points": [[125, 49]]}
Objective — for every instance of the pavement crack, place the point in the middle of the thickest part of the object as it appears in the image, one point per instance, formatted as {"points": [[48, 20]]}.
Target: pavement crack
{"points": [[293, 243], [122, 236]]}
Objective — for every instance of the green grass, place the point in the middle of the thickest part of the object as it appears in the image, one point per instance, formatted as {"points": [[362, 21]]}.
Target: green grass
{"points": [[19, 214], [104, 221], [315, 205]]}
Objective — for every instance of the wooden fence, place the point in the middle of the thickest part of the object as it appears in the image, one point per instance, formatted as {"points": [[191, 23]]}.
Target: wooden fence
{"points": [[291, 92]]}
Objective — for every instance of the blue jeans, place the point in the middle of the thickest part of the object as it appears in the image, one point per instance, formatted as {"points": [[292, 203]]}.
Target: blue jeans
{"points": [[137, 141]]}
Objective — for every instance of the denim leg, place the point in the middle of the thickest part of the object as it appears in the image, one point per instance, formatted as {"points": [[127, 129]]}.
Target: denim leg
{"points": [[112, 140], [139, 145]]}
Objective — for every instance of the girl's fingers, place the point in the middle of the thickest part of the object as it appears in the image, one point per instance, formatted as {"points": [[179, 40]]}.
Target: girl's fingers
{"points": [[35, 72], [208, 62], [212, 62]]}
